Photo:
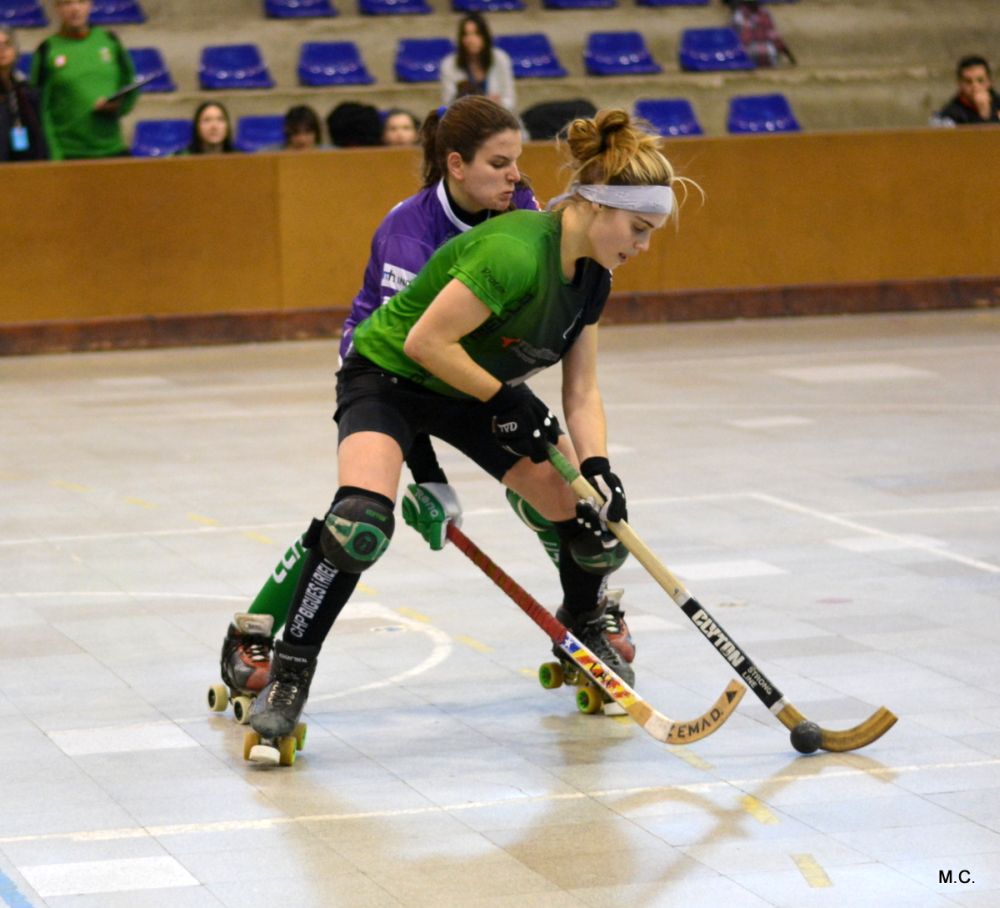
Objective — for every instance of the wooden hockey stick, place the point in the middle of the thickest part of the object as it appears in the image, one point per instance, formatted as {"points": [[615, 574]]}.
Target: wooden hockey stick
{"points": [[876, 725], [651, 721]]}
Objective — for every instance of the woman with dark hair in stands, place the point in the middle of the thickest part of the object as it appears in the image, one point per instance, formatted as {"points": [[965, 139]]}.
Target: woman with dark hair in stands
{"points": [[470, 174], [212, 131], [477, 67], [21, 135], [302, 129]]}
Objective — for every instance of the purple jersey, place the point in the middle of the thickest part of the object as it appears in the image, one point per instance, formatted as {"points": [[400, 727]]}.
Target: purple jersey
{"points": [[404, 241]]}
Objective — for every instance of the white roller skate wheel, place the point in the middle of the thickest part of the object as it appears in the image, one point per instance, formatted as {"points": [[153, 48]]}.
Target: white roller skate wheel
{"points": [[241, 709], [218, 698], [613, 709], [265, 754]]}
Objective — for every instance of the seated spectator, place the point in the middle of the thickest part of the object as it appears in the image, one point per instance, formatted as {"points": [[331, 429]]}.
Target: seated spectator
{"points": [[477, 67], [352, 124], [976, 101], [21, 135], [758, 34], [400, 128], [302, 129], [212, 130], [80, 72]]}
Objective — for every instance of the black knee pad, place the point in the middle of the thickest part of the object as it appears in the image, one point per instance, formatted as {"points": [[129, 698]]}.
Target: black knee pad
{"points": [[357, 530], [595, 553]]}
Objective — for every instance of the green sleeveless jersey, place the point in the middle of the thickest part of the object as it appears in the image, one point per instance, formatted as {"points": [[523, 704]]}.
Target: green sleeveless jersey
{"points": [[512, 264]]}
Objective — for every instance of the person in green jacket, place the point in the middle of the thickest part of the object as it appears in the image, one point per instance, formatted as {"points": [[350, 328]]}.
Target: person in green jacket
{"points": [[450, 356], [77, 71]]}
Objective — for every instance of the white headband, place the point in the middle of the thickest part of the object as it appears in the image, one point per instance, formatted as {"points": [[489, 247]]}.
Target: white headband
{"points": [[650, 199]]}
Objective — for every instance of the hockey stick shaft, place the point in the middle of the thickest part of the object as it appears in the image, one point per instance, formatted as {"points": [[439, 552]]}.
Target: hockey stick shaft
{"points": [[767, 692], [652, 721]]}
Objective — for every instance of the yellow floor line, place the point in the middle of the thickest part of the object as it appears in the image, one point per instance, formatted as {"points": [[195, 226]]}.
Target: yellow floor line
{"points": [[69, 486], [259, 537], [691, 758], [811, 870], [202, 519], [141, 503], [410, 613], [474, 644], [758, 810], [366, 589]]}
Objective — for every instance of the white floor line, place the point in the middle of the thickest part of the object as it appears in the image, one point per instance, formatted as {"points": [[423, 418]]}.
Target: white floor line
{"points": [[908, 541], [703, 788]]}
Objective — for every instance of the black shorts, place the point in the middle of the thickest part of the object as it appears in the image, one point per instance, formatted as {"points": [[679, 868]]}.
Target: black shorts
{"points": [[369, 399]]}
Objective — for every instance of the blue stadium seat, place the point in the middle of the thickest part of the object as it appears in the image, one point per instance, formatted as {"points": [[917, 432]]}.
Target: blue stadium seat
{"points": [[233, 66], [149, 61], [332, 63], [419, 59], [23, 65], [298, 9], [394, 7], [260, 133], [669, 116], [487, 6], [618, 54], [580, 4], [671, 2], [761, 113], [116, 12], [710, 49], [160, 138], [532, 56], [22, 14]]}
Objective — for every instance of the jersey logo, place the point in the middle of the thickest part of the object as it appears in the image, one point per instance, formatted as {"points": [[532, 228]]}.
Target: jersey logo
{"points": [[106, 54], [396, 278], [60, 60], [507, 341]]}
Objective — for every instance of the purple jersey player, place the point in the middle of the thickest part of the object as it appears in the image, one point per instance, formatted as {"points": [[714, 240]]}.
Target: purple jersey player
{"points": [[470, 173]]}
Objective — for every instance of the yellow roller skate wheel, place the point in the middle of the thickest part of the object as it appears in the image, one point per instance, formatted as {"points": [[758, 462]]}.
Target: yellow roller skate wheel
{"points": [[300, 735], [218, 698], [241, 709], [589, 699], [550, 675], [287, 748], [250, 740]]}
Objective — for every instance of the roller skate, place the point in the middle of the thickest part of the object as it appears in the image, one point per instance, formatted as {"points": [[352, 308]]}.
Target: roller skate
{"points": [[275, 734], [604, 632], [245, 662]]}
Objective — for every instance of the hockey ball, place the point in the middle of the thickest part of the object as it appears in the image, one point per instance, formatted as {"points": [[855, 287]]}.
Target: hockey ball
{"points": [[806, 737]]}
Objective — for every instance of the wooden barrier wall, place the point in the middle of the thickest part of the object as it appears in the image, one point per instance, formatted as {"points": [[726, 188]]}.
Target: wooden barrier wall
{"points": [[196, 250]]}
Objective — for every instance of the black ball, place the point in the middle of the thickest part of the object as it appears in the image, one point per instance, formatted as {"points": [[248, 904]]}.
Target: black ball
{"points": [[806, 737]]}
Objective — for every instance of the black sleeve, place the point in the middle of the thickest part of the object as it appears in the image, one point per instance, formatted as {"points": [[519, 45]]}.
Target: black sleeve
{"points": [[423, 462]]}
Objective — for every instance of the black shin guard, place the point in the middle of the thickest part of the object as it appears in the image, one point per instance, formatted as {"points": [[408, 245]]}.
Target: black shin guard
{"points": [[581, 590]]}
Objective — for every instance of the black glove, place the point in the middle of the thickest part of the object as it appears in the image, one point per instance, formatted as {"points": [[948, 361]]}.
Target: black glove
{"points": [[597, 471], [522, 424]]}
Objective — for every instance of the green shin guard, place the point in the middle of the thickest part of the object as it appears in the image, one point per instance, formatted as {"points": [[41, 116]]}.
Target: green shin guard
{"points": [[542, 528], [275, 596]]}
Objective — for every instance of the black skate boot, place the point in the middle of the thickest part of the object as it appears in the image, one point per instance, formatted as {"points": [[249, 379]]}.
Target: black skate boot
{"points": [[245, 663], [594, 630], [274, 716]]}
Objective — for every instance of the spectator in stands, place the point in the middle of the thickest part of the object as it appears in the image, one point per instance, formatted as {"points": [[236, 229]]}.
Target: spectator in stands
{"points": [[477, 67], [21, 135], [400, 128], [80, 72], [212, 130], [976, 101], [302, 129], [352, 124], [758, 34]]}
